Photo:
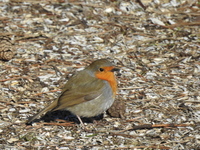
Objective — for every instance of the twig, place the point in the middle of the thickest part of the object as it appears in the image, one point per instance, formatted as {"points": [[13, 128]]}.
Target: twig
{"points": [[141, 4], [150, 126], [18, 77], [145, 147], [46, 92], [183, 24], [66, 124]]}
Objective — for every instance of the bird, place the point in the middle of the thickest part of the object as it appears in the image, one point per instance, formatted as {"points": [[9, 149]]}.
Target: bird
{"points": [[88, 93]]}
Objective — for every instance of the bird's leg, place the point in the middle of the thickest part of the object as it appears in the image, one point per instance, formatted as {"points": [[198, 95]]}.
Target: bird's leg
{"points": [[80, 121]]}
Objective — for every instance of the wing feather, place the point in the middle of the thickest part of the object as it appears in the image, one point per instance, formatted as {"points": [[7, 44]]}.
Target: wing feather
{"points": [[76, 92]]}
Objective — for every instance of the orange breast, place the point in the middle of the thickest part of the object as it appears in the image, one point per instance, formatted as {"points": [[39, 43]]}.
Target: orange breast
{"points": [[108, 76]]}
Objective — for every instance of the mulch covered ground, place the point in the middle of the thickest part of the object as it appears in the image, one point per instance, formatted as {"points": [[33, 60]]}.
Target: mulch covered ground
{"points": [[155, 44]]}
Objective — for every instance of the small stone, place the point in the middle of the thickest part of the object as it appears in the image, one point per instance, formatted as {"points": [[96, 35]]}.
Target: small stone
{"points": [[117, 109]]}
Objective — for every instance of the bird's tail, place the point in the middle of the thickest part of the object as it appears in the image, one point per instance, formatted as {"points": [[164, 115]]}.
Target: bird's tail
{"points": [[46, 109]]}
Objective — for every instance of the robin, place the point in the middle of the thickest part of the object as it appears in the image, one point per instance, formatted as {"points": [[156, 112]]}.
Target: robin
{"points": [[88, 93]]}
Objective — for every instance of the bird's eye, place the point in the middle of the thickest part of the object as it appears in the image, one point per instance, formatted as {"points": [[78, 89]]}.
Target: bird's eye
{"points": [[101, 69]]}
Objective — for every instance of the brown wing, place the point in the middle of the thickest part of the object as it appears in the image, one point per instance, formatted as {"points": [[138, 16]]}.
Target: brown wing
{"points": [[78, 91]]}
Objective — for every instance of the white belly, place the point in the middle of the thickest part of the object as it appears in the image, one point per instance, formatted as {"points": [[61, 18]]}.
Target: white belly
{"points": [[96, 106]]}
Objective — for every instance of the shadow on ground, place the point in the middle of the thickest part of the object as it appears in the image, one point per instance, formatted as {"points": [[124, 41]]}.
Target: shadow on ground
{"points": [[65, 115]]}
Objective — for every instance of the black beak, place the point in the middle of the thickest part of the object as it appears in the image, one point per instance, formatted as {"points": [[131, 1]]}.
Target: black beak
{"points": [[115, 69]]}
